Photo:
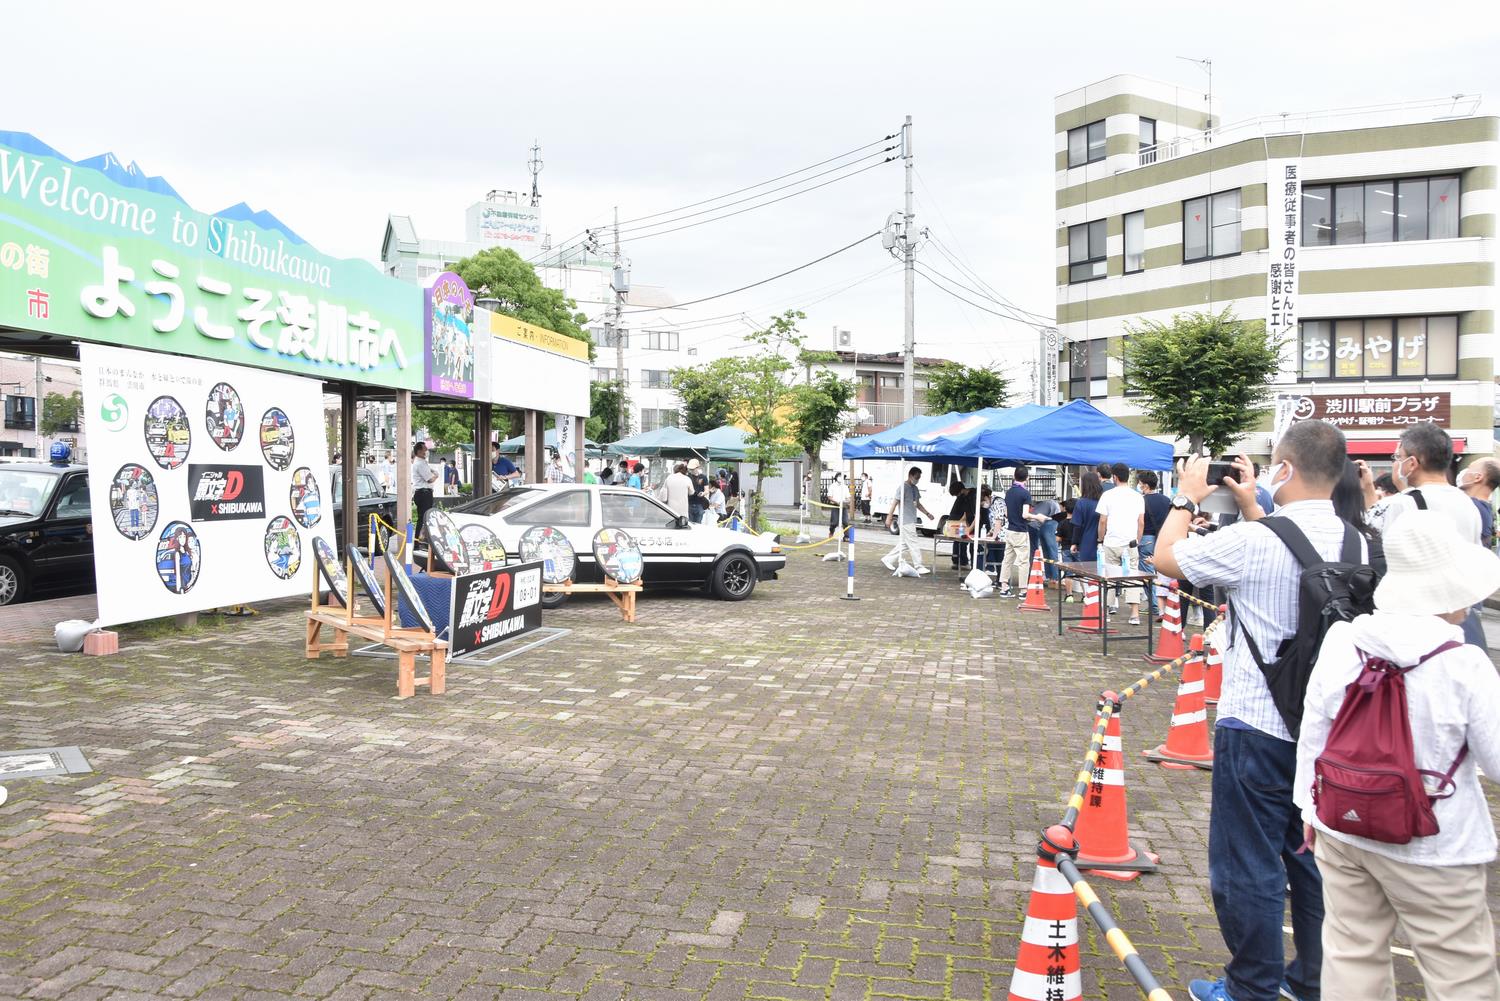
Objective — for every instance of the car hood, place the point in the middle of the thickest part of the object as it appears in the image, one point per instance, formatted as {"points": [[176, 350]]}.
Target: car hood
{"points": [[8, 521]]}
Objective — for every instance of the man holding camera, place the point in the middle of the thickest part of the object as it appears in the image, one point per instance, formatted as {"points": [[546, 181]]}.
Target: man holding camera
{"points": [[1255, 829]]}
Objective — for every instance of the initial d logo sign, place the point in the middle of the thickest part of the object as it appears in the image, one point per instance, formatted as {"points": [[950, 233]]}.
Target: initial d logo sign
{"points": [[499, 599]]}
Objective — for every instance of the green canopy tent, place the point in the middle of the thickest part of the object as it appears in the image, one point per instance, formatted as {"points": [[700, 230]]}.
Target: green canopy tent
{"points": [[663, 443], [517, 445], [724, 444]]}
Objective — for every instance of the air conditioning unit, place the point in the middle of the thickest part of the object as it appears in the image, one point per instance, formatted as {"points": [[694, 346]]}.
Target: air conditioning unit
{"points": [[845, 339]]}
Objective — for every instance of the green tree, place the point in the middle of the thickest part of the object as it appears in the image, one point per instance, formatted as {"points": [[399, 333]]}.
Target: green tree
{"points": [[606, 402], [446, 429], [1205, 377], [758, 388], [820, 411], [61, 412], [502, 274], [700, 390], [952, 386]]}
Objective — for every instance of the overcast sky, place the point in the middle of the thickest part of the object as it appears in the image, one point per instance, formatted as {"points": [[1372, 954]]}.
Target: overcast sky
{"points": [[332, 115]]}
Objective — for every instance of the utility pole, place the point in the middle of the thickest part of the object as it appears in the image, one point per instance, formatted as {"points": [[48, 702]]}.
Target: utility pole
{"points": [[618, 286], [535, 166], [908, 246]]}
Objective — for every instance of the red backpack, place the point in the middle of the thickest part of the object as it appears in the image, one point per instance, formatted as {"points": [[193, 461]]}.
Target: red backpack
{"points": [[1367, 781]]}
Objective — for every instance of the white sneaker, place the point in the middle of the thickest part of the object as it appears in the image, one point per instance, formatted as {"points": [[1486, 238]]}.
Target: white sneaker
{"points": [[889, 559], [923, 571], [906, 570]]}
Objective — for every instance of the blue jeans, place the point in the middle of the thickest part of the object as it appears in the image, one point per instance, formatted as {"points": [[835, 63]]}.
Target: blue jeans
{"points": [[1147, 551], [1048, 532], [1254, 832]]}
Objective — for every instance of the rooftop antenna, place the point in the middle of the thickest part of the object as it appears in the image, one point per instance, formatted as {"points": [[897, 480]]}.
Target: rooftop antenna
{"points": [[535, 166], [1207, 66]]}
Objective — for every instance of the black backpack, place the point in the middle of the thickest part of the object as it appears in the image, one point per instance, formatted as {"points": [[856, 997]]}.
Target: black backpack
{"points": [[1327, 592]]}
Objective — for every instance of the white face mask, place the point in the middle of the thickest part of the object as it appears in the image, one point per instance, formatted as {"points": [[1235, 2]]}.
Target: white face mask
{"points": [[1398, 475], [1268, 479]]}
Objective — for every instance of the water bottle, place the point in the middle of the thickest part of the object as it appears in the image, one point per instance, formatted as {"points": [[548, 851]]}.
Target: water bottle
{"points": [[1125, 563]]}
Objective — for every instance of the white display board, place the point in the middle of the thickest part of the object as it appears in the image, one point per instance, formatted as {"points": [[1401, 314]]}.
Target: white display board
{"points": [[208, 482]]}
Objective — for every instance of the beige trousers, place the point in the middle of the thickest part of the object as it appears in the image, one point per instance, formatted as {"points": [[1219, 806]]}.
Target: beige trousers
{"points": [[1018, 555], [1442, 909], [1113, 556]]}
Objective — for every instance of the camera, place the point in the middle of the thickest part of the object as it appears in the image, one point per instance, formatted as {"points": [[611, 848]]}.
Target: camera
{"points": [[1220, 471]]}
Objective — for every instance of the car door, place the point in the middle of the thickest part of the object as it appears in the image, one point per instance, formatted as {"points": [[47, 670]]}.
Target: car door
{"points": [[572, 511], [66, 554], [666, 543]]}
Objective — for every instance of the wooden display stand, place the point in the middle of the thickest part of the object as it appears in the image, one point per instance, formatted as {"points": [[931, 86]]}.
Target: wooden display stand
{"points": [[408, 643], [623, 595]]}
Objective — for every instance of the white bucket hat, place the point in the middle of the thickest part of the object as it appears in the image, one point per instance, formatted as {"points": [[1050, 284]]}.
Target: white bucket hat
{"points": [[1431, 571]]}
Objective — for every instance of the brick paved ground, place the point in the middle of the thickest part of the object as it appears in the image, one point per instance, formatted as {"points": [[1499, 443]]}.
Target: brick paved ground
{"points": [[794, 797]]}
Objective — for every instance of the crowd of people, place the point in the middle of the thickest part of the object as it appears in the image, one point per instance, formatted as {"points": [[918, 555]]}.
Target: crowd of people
{"points": [[1399, 571]]}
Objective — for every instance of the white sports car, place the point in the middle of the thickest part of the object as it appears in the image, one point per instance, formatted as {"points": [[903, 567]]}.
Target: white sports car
{"points": [[676, 553]]}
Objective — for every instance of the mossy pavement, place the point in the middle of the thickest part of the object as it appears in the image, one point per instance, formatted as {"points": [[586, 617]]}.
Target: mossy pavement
{"points": [[794, 797]]}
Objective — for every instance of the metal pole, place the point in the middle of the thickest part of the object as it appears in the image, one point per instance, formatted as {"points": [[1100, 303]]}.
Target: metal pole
{"points": [[619, 333], [908, 359], [849, 576], [403, 459], [349, 445]]}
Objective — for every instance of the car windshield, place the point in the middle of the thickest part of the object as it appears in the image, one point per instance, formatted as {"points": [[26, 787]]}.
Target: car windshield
{"points": [[25, 492], [495, 503]]}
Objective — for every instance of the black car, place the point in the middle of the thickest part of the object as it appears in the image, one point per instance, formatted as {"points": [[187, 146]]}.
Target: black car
{"points": [[46, 533], [372, 500]]}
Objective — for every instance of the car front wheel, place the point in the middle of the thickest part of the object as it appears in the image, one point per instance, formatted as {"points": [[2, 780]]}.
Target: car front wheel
{"points": [[734, 577], [12, 581], [553, 599]]}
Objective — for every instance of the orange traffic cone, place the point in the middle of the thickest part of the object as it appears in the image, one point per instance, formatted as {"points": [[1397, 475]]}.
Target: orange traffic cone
{"points": [[1213, 675], [1036, 587], [1187, 741], [1169, 641], [1047, 964], [1103, 834], [1092, 622]]}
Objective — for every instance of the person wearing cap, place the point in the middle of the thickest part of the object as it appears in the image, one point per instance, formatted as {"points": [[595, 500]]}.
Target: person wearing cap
{"points": [[1434, 886], [698, 499]]}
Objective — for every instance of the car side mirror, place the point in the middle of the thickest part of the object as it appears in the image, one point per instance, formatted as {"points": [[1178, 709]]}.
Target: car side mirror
{"points": [[681, 521]]}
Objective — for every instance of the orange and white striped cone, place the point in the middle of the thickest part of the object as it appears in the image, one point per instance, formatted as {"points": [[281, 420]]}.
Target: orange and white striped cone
{"points": [[1213, 674], [1047, 962], [1036, 587], [1093, 621], [1103, 827], [1187, 741], [1169, 639]]}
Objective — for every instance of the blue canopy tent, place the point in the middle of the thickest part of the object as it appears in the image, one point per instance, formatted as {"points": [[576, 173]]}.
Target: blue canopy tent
{"points": [[1074, 434]]}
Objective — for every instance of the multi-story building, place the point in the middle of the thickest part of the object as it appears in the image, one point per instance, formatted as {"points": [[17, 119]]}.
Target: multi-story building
{"points": [[1364, 238], [25, 383]]}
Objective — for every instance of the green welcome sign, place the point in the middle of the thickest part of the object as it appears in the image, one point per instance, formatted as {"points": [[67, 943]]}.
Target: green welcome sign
{"points": [[97, 251]]}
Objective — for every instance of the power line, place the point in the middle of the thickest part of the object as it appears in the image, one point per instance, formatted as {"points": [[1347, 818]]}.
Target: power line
{"points": [[991, 293], [573, 240], [751, 198], [752, 208], [763, 281], [982, 309], [1011, 312], [751, 187]]}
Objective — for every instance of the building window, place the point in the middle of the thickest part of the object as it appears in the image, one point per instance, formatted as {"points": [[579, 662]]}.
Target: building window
{"points": [[1380, 211], [1135, 242], [1403, 347], [20, 413], [661, 340], [655, 420], [1211, 226], [654, 378], [1086, 144], [609, 338], [1148, 134], [605, 375], [1125, 367], [1087, 370], [1086, 251]]}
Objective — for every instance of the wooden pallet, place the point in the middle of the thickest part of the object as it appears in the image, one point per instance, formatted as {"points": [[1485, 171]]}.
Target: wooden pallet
{"points": [[623, 595]]}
